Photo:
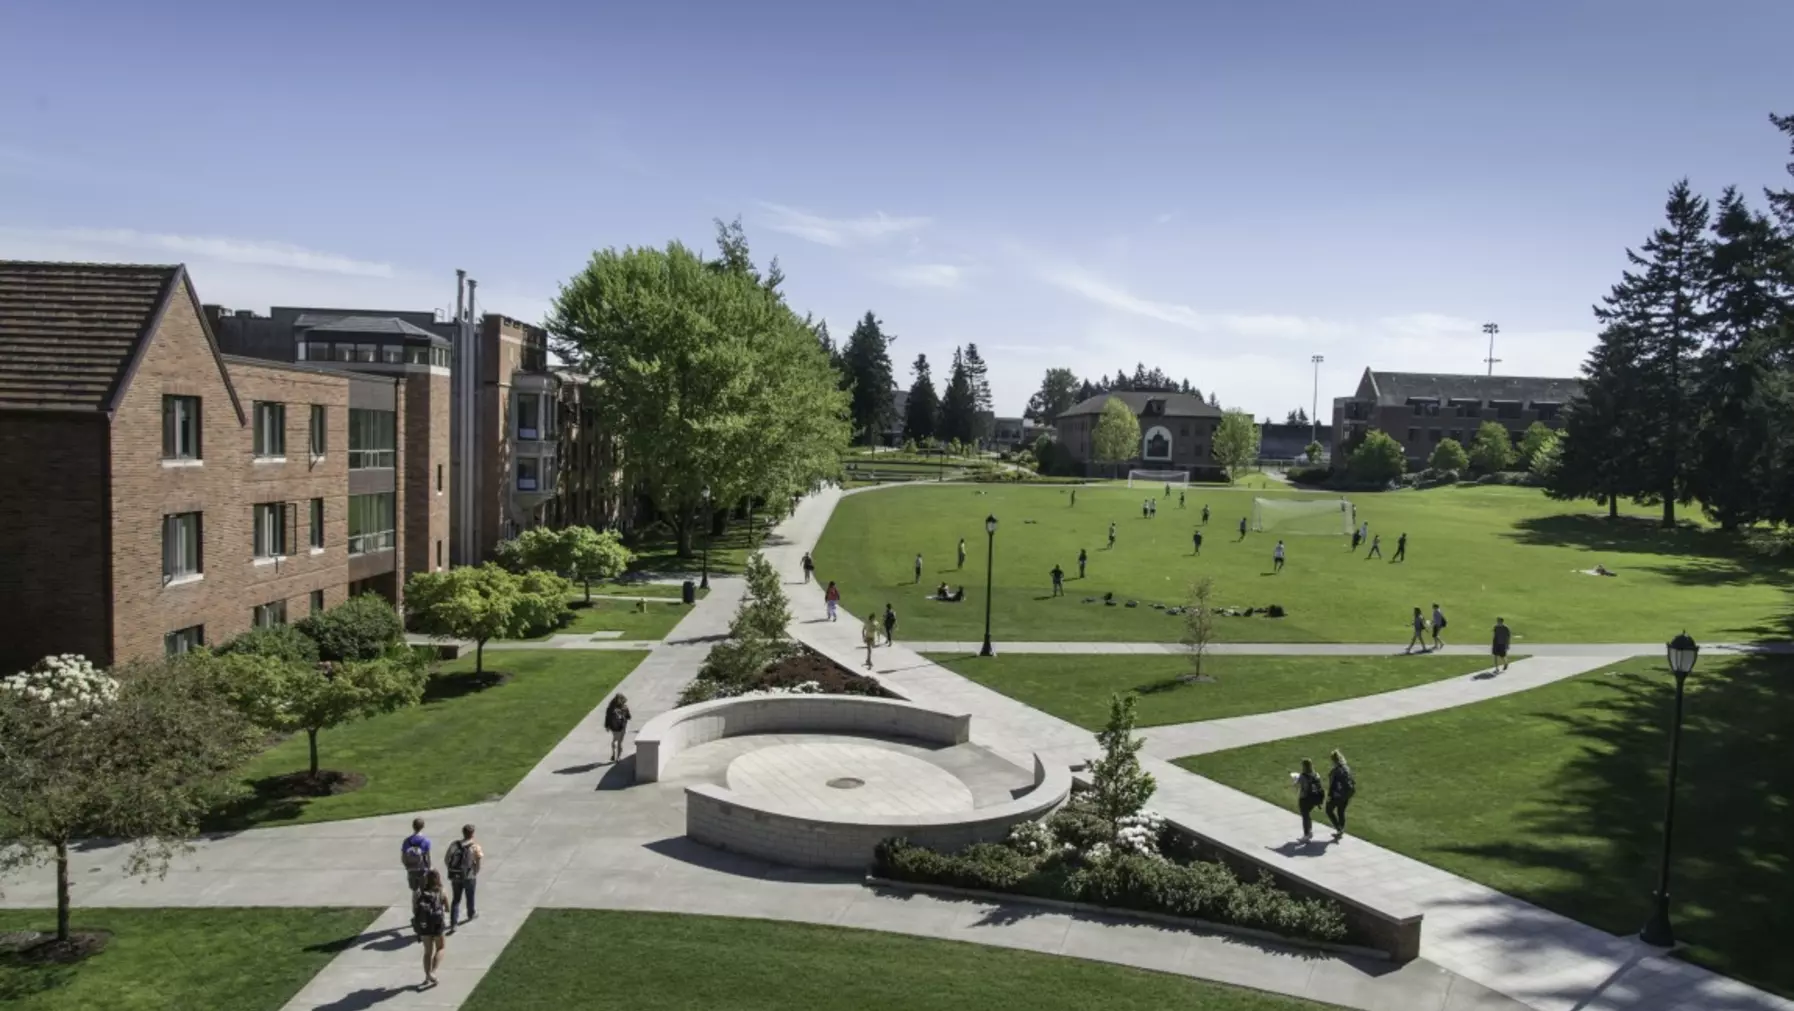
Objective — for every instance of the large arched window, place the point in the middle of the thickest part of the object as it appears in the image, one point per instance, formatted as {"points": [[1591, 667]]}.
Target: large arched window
{"points": [[1157, 444]]}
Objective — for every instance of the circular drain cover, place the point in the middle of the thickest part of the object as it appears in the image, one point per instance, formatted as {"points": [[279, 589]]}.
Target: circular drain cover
{"points": [[846, 783]]}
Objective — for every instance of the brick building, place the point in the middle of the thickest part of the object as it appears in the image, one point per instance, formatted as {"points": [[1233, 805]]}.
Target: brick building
{"points": [[1421, 410], [1177, 432], [167, 495]]}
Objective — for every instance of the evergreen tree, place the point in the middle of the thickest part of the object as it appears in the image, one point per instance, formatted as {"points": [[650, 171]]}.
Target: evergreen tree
{"points": [[868, 359], [1600, 435], [922, 412], [1058, 393], [977, 374], [1214, 401], [958, 412]]}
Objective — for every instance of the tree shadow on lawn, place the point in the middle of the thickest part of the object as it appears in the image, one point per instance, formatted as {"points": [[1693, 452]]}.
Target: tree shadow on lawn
{"points": [[1711, 556], [1597, 824]]}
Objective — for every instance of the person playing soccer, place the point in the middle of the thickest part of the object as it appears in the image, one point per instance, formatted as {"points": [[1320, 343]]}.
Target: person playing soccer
{"points": [[1401, 548], [1058, 581], [1196, 542], [1376, 547], [1438, 626], [962, 552], [1084, 557], [1074, 496], [918, 568], [1277, 558], [1205, 515], [1180, 500], [1419, 633], [1242, 528], [1144, 508], [1357, 539], [1167, 489], [1111, 536]]}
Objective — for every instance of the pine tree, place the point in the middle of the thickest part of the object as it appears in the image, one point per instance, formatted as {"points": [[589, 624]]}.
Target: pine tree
{"points": [[1601, 426], [977, 374], [958, 413], [868, 361], [922, 412]]}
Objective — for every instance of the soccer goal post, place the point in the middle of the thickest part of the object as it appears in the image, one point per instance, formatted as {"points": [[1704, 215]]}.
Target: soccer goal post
{"points": [[1146, 478], [1290, 516]]}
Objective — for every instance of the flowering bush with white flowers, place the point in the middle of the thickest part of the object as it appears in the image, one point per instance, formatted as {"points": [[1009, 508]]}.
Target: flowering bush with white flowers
{"points": [[1139, 833], [805, 688], [67, 683], [1032, 837]]}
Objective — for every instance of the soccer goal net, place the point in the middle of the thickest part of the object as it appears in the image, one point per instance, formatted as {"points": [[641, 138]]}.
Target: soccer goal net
{"points": [[1289, 516], [1149, 478]]}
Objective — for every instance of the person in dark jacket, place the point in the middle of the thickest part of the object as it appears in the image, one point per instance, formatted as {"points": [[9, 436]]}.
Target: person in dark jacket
{"points": [[1341, 785], [616, 720], [1503, 637], [1309, 795]]}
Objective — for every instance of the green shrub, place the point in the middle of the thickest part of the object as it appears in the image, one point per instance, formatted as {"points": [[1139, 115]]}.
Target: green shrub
{"points": [[277, 642], [1078, 823], [1309, 475], [363, 627]]}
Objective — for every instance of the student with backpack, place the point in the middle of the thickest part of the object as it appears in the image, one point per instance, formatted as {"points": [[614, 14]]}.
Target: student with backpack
{"points": [[414, 855], [1438, 626], [809, 567], [462, 861], [1341, 785], [429, 917], [1309, 795], [616, 720]]}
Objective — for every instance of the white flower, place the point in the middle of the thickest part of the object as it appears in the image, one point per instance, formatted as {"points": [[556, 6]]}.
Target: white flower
{"points": [[65, 683], [1032, 837], [1100, 853]]}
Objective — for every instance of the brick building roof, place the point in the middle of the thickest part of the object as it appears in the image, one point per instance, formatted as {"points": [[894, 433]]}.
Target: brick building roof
{"points": [[70, 331], [1397, 388], [1176, 405]]}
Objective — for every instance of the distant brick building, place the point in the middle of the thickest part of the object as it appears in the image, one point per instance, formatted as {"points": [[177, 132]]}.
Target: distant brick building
{"points": [[1421, 410], [1177, 432]]}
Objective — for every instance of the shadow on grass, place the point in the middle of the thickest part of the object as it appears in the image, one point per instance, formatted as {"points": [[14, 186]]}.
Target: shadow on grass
{"points": [[1713, 556], [658, 551], [1598, 822], [460, 684]]}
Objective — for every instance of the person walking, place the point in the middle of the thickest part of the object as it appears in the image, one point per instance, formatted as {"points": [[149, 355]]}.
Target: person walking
{"points": [[1419, 638], [429, 918], [1401, 548], [1083, 558], [1143, 508], [831, 598], [1503, 637], [1277, 558], [1074, 496], [1058, 581], [809, 567], [1341, 785], [1242, 528], [1196, 541], [462, 861], [1376, 547], [918, 568], [1111, 535], [616, 720], [962, 552], [414, 855], [869, 636], [1310, 794], [1180, 500], [1438, 626], [890, 623]]}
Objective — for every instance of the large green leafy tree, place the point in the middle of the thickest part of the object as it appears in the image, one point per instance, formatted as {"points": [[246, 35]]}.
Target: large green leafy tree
{"points": [[484, 602], [959, 410], [1236, 441], [578, 552], [286, 697], [1058, 393], [364, 627], [1116, 437], [923, 409], [1493, 449], [868, 358], [709, 378], [138, 754], [1378, 458], [1448, 455], [1537, 436]]}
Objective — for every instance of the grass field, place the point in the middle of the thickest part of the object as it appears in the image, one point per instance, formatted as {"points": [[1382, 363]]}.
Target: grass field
{"points": [[575, 958], [609, 615], [1479, 552], [1077, 688], [1556, 796], [653, 591], [465, 743], [241, 959]]}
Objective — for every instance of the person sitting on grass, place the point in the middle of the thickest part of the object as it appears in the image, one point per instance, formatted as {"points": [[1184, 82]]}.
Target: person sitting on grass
{"points": [[940, 592]]}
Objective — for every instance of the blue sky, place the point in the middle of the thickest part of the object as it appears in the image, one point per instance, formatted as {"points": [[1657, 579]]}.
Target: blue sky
{"points": [[1220, 189]]}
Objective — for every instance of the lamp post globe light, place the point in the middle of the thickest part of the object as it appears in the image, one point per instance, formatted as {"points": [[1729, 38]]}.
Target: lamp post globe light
{"points": [[990, 552], [704, 582], [1682, 653]]}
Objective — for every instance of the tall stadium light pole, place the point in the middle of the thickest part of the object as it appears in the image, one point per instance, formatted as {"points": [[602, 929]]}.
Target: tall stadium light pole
{"points": [[1491, 329], [1657, 931], [1314, 416], [990, 554]]}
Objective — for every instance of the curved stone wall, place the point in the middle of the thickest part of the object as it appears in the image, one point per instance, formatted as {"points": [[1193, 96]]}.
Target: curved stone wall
{"points": [[666, 735]]}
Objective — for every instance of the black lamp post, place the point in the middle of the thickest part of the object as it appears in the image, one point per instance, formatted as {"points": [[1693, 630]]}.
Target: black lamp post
{"points": [[704, 583], [1682, 653], [990, 552]]}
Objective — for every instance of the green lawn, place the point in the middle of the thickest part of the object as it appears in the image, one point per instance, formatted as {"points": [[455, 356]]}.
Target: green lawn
{"points": [[657, 551], [568, 958], [1556, 795], [607, 615], [1480, 552], [1077, 688], [463, 745], [240, 959], [653, 591]]}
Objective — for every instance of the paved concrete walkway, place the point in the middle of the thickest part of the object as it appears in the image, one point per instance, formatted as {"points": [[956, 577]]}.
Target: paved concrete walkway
{"points": [[1548, 962], [1608, 652]]}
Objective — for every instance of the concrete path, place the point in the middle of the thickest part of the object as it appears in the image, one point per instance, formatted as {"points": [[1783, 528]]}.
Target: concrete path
{"points": [[1548, 962], [1609, 652]]}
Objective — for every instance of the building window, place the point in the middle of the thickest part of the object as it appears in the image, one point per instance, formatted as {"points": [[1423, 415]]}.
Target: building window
{"points": [[180, 428], [1413, 435], [392, 354], [181, 555], [371, 522], [439, 554], [529, 416], [317, 524], [1434, 435], [1508, 410], [439, 477], [320, 438], [417, 356], [301, 350], [1457, 435], [439, 357], [270, 430], [270, 614], [372, 438], [271, 529], [317, 601], [1547, 412], [183, 640], [529, 473]]}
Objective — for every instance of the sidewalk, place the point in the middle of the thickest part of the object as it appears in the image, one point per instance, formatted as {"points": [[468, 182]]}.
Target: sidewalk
{"points": [[1607, 652], [1547, 961]]}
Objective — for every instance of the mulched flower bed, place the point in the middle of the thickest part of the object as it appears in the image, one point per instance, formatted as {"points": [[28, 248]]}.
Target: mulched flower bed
{"points": [[810, 665]]}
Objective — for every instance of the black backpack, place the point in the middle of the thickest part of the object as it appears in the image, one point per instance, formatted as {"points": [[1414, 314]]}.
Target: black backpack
{"points": [[459, 860], [427, 915]]}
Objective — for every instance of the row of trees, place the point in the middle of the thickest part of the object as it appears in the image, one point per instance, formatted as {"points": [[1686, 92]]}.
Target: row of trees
{"points": [[961, 411], [711, 380], [1061, 389], [1686, 395]]}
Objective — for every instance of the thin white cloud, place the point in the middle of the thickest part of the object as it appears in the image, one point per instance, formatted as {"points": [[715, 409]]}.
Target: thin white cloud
{"points": [[1165, 218], [838, 232], [1110, 295], [926, 275], [245, 252]]}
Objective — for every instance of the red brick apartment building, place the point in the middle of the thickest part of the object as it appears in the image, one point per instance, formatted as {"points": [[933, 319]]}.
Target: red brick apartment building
{"points": [[1421, 409], [1177, 432], [161, 494]]}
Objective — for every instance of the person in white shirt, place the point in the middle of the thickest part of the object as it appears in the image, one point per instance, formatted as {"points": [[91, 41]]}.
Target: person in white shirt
{"points": [[1277, 558]]}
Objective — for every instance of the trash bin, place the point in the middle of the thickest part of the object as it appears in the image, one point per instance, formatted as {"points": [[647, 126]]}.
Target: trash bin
{"points": [[688, 592]]}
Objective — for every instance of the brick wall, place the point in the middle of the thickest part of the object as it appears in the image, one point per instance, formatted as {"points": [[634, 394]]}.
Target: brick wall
{"points": [[53, 568], [424, 498]]}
